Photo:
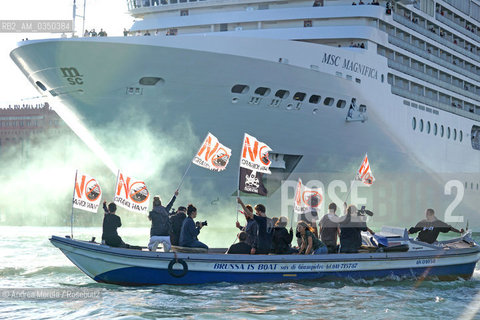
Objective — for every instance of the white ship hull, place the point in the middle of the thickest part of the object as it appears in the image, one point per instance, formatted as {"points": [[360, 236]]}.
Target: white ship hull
{"points": [[198, 73]]}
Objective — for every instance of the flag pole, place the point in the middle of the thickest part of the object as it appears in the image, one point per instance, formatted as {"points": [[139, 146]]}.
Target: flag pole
{"points": [[73, 199], [349, 190], [116, 185], [181, 181], [238, 176]]}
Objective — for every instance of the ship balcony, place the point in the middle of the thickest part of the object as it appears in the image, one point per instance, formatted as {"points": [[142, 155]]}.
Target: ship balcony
{"points": [[427, 78], [457, 27], [434, 103], [429, 34], [139, 7], [435, 59]]}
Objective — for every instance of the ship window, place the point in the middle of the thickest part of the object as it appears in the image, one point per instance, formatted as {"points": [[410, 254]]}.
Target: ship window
{"points": [[471, 185], [414, 105], [224, 27], [362, 108], [435, 129], [328, 101], [307, 23], [477, 186], [341, 104], [41, 85], [150, 81], [184, 12], [448, 132], [435, 112], [240, 88], [357, 80], [421, 107], [454, 134], [442, 131], [405, 102], [428, 127], [262, 91], [466, 184], [414, 123], [421, 125], [461, 136], [282, 94], [314, 99], [383, 78], [299, 96]]}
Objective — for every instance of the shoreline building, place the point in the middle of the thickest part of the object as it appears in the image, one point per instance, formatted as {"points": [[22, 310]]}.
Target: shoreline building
{"points": [[26, 124]]}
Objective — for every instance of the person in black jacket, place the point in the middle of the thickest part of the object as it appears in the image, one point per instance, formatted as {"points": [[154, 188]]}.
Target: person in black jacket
{"points": [[190, 230], [281, 237], [176, 221], [430, 228], [109, 228], [160, 230], [265, 228], [251, 228], [350, 232], [241, 247]]}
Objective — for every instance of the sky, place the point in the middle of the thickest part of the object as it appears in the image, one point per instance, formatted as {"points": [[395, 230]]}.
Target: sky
{"points": [[111, 15]]}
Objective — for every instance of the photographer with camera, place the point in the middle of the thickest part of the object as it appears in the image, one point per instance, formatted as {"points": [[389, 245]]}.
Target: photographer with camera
{"points": [[190, 230], [350, 233]]}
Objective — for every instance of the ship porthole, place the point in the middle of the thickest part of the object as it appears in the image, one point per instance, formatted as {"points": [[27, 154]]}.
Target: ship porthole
{"points": [[421, 125], [289, 106], [234, 100], [428, 127], [448, 133], [435, 129], [315, 111], [461, 135], [414, 123], [441, 131], [176, 272]]}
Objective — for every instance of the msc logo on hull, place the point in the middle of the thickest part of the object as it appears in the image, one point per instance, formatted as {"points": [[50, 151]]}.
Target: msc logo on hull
{"points": [[72, 75]]}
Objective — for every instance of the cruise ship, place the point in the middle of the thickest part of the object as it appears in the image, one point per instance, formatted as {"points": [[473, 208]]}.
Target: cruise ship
{"points": [[321, 82]]}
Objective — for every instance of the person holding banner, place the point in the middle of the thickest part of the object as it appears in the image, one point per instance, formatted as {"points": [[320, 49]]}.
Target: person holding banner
{"points": [[265, 228], [110, 224], [251, 228], [160, 230], [190, 230], [310, 243]]}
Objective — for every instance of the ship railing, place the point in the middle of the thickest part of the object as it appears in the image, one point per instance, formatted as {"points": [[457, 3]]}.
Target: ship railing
{"points": [[424, 54], [434, 103], [146, 4], [457, 27], [428, 78], [429, 34]]}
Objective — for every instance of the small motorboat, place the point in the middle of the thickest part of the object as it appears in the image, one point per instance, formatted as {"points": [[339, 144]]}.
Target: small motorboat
{"points": [[403, 257]]}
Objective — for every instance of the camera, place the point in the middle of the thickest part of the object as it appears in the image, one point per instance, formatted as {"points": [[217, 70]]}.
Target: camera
{"points": [[201, 223], [362, 212]]}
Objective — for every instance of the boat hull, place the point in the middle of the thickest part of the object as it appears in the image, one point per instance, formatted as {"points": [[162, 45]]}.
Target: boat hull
{"points": [[141, 268]]}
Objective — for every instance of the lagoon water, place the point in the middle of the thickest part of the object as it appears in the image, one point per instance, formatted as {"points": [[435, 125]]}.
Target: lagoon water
{"points": [[28, 260]]}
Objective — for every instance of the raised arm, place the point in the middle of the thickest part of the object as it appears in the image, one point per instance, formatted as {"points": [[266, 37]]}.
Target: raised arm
{"points": [[170, 204], [245, 209]]}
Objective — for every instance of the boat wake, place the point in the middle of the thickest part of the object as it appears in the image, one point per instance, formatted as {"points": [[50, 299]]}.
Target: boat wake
{"points": [[38, 272]]}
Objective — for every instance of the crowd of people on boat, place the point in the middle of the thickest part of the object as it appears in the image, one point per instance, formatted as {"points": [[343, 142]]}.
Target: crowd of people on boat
{"points": [[263, 235]]}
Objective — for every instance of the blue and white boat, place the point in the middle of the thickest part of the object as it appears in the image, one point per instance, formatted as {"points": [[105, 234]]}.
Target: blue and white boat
{"points": [[404, 258]]}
